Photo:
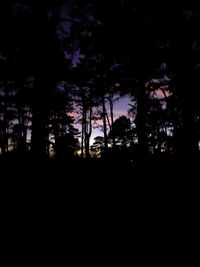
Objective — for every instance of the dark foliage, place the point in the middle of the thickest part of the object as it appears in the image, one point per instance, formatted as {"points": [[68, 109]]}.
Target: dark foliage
{"points": [[64, 65]]}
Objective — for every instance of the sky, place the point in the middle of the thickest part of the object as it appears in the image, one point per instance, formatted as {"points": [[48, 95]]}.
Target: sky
{"points": [[120, 108]]}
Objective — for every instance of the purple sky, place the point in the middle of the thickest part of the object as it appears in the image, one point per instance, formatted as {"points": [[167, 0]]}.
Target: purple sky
{"points": [[120, 108]]}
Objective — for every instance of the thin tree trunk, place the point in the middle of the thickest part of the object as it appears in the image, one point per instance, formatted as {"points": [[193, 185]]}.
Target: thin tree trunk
{"points": [[187, 139], [85, 132], [43, 82], [39, 131], [88, 134], [5, 125], [141, 121], [55, 132], [83, 137], [112, 118], [20, 137], [24, 131], [104, 125]]}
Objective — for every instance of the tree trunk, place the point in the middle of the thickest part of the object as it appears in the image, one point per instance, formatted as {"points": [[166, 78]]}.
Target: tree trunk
{"points": [[82, 137], [55, 133], [187, 139], [5, 125], [112, 118], [22, 130], [104, 125], [88, 134], [141, 121], [43, 80], [39, 132]]}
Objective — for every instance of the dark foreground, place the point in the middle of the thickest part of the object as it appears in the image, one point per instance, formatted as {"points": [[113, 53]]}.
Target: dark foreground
{"points": [[89, 187], [67, 169]]}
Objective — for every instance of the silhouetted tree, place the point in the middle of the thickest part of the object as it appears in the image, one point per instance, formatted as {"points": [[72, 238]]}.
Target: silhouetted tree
{"points": [[65, 63], [122, 131]]}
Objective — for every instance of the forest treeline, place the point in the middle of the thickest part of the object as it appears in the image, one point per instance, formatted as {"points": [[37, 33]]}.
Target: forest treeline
{"points": [[64, 63]]}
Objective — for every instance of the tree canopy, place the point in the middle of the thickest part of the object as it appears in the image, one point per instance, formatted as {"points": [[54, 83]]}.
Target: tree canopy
{"points": [[66, 64]]}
